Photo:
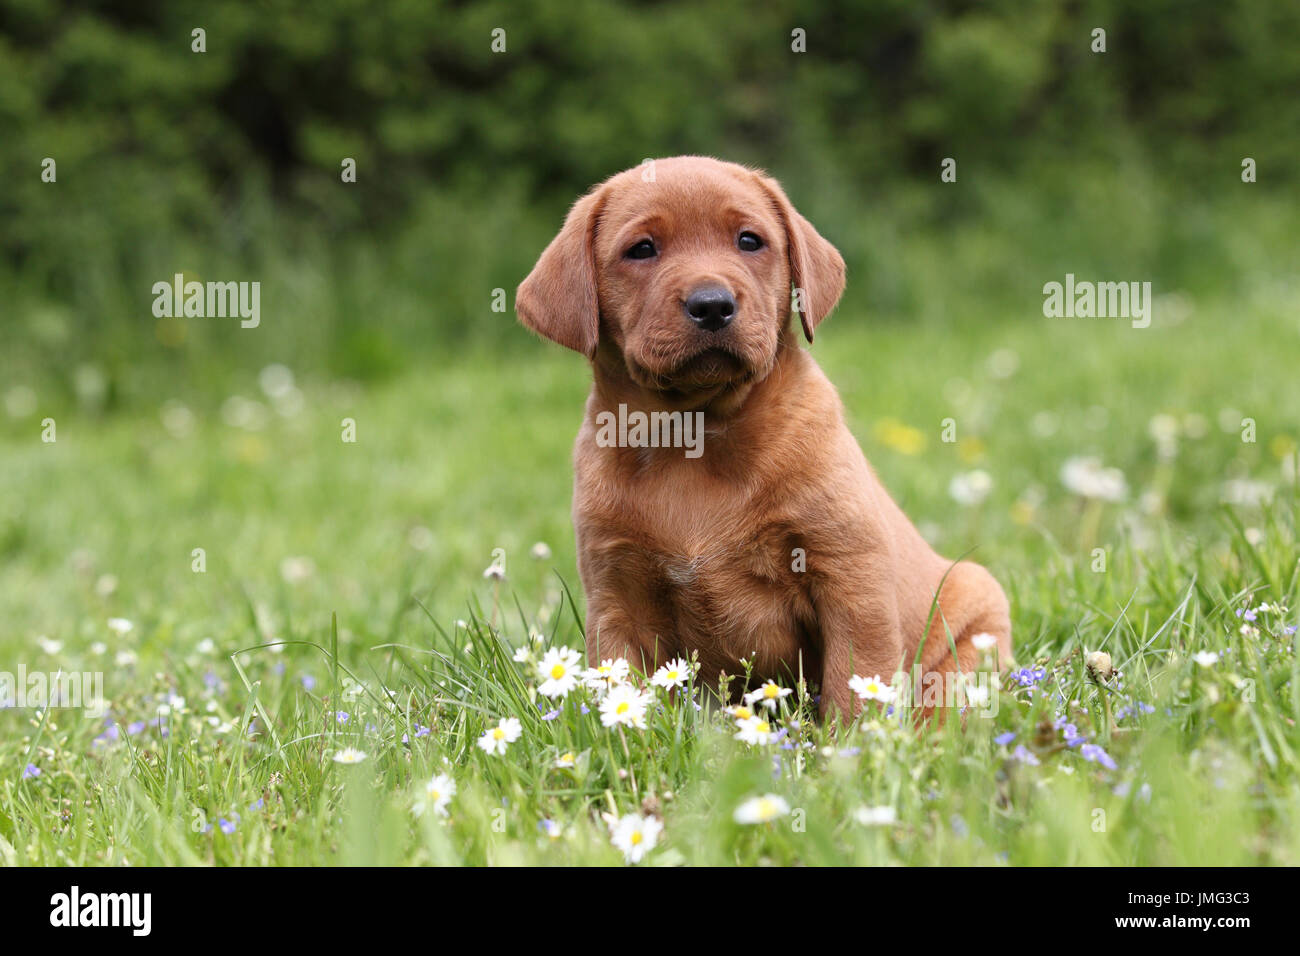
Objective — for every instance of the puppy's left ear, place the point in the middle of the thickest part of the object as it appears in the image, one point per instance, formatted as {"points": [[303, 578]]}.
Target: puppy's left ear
{"points": [[816, 267], [558, 298]]}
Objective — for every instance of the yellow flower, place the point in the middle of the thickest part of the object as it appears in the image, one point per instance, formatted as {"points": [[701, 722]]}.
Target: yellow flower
{"points": [[894, 434]]}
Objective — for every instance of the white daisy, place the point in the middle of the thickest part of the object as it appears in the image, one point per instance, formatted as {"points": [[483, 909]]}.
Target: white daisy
{"points": [[762, 809], [673, 674], [876, 816], [871, 688], [624, 705], [741, 712], [437, 794], [559, 671], [120, 625], [977, 695], [496, 739], [1206, 658], [970, 488], [768, 695], [610, 673], [566, 760], [636, 836], [349, 755], [756, 731], [1086, 477]]}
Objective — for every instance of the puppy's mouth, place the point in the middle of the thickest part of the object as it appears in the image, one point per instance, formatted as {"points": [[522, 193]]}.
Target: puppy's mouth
{"points": [[707, 370]]}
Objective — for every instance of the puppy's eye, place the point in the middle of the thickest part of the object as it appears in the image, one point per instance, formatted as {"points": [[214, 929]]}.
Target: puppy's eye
{"points": [[748, 242], [645, 249]]}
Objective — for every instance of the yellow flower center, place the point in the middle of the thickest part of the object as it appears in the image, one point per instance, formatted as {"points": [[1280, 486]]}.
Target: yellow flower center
{"points": [[622, 708], [636, 837], [765, 808], [557, 671], [744, 713], [763, 727], [672, 675], [771, 690], [498, 734]]}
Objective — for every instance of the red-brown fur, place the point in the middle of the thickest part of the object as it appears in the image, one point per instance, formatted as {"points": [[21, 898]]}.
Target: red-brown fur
{"points": [[681, 555]]}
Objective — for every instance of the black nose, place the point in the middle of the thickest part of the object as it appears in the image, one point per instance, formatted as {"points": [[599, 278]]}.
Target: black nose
{"points": [[711, 307]]}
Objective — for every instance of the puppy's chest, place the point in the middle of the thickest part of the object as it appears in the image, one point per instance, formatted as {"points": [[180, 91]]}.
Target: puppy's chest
{"points": [[720, 575]]}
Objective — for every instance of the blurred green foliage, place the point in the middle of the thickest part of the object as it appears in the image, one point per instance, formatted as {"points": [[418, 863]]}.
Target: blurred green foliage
{"points": [[226, 164]]}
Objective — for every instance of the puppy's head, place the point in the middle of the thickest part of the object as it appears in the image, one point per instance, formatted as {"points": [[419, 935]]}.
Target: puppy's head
{"points": [[682, 273]]}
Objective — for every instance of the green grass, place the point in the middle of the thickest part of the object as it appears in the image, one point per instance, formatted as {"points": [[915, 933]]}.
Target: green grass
{"points": [[471, 453]]}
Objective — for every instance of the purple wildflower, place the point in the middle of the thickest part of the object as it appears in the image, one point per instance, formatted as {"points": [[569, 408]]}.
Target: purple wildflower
{"points": [[1095, 754], [1023, 755], [30, 771], [1003, 739], [1029, 676]]}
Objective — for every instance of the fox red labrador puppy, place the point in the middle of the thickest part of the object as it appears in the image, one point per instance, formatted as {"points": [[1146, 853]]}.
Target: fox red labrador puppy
{"points": [[721, 504]]}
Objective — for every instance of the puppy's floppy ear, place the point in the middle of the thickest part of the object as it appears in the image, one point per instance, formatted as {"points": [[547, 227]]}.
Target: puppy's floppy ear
{"points": [[816, 267], [558, 298]]}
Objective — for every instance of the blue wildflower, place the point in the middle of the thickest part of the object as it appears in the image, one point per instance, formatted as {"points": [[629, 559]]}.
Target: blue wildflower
{"points": [[1096, 754], [30, 771], [1029, 676], [1023, 755], [1003, 739]]}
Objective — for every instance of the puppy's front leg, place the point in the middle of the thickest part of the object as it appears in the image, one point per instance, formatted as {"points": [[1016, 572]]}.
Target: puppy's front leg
{"points": [[623, 624], [860, 634]]}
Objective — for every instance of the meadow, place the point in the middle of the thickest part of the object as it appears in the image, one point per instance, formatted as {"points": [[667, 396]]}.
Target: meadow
{"points": [[307, 641]]}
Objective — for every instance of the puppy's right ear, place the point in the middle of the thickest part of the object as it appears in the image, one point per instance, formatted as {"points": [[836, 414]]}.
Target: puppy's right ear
{"points": [[558, 298]]}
